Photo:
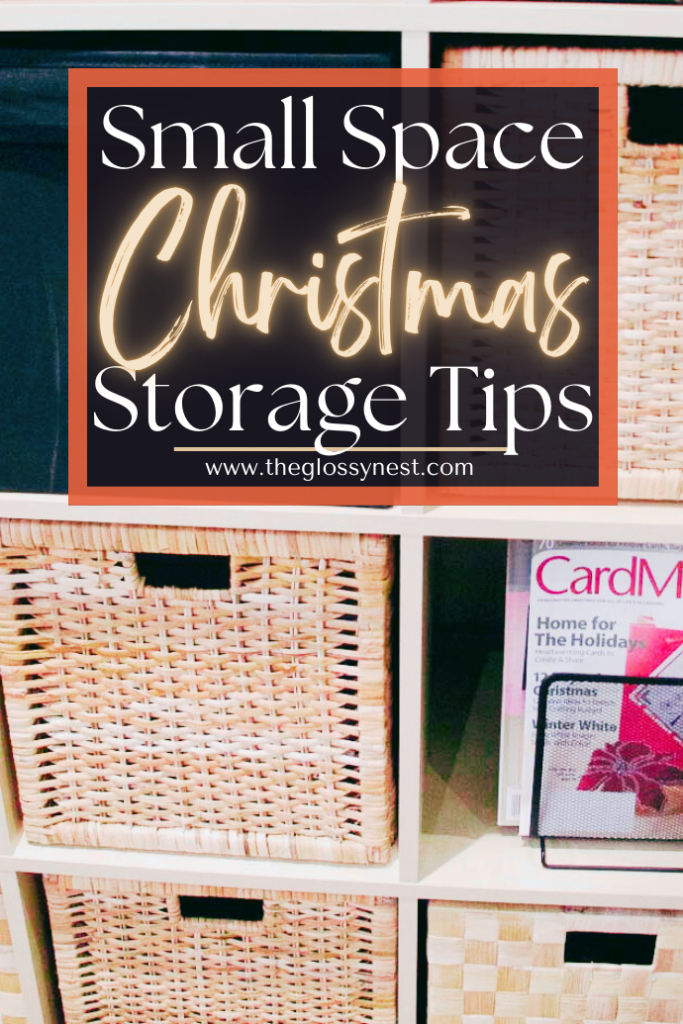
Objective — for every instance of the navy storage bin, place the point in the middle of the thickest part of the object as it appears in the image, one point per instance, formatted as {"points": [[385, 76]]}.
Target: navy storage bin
{"points": [[33, 195]]}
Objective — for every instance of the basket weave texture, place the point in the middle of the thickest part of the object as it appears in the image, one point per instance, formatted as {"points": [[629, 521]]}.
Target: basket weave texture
{"points": [[650, 255], [12, 1009], [251, 720], [126, 955], [507, 963]]}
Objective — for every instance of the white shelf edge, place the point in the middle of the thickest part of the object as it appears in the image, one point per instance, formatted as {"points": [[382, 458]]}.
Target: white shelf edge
{"points": [[630, 522], [338, 519], [503, 868], [535, 17], [495, 868], [56, 15], [511, 16], [199, 869]]}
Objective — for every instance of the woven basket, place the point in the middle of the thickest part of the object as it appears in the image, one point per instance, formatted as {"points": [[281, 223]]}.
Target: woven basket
{"points": [[11, 1000], [250, 720], [508, 963], [126, 955], [650, 268]]}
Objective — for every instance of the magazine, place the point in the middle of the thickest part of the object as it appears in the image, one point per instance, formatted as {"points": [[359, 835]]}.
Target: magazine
{"points": [[613, 753], [514, 658]]}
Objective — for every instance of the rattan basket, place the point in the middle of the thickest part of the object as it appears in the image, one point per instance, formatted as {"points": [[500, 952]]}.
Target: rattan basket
{"points": [[650, 268], [127, 954], [489, 963], [251, 720], [12, 1009]]}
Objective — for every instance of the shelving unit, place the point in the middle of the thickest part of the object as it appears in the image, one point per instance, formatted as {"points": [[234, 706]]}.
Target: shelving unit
{"points": [[479, 862]]}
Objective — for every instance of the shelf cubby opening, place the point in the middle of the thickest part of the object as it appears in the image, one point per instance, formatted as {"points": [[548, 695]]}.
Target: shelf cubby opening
{"points": [[463, 690]]}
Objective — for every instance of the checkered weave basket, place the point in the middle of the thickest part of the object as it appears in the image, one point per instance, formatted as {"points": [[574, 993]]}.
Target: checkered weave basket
{"points": [[128, 953], [650, 268], [253, 719], [508, 963], [12, 1009]]}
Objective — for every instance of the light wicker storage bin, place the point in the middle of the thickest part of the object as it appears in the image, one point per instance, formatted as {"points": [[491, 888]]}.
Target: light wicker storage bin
{"points": [[249, 720], [12, 1010], [650, 267], [507, 963], [126, 954]]}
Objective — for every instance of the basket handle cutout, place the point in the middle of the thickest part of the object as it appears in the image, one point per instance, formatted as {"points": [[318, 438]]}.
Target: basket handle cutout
{"points": [[220, 908], [186, 572], [655, 115], [609, 948]]}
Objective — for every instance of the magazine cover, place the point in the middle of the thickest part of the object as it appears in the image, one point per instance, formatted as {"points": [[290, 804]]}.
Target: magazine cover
{"points": [[613, 755], [514, 657]]}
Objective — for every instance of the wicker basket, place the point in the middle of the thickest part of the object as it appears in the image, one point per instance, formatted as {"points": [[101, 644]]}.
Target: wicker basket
{"points": [[650, 268], [508, 963], [253, 719], [126, 954], [11, 1000]]}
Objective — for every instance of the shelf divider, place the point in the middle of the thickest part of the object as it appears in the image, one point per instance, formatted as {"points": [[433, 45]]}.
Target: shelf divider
{"points": [[412, 649], [27, 919], [407, 959], [415, 51]]}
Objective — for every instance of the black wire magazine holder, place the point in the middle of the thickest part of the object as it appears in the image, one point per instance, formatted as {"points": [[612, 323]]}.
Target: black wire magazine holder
{"points": [[578, 678]]}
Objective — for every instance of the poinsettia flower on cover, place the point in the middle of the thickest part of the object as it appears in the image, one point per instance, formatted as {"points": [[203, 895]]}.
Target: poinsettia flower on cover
{"points": [[630, 767]]}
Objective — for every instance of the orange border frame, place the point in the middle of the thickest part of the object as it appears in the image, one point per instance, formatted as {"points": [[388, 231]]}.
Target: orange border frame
{"points": [[79, 492]]}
